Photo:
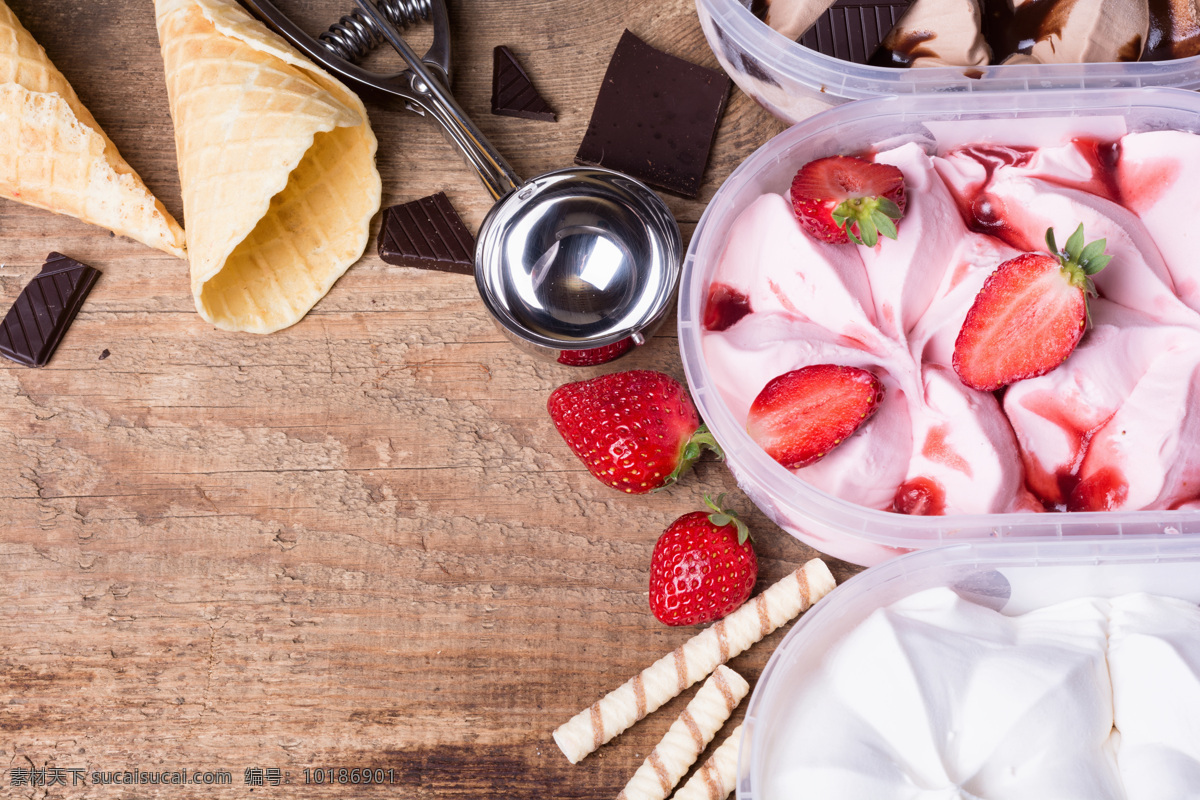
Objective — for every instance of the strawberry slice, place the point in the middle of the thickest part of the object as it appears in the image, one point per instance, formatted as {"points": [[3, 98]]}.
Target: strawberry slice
{"points": [[801, 415], [1029, 315], [843, 198]]}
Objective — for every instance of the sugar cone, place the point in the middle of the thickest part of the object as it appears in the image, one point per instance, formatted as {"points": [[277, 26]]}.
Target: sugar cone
{"points": [[276, 163], [53, 155]]}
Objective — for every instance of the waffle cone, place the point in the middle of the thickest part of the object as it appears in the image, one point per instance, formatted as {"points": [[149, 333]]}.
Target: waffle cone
{"points": [[276, 164], [54, 156]]}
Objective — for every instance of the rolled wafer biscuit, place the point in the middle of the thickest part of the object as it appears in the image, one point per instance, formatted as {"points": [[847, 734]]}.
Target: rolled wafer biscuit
{"points": [[687, 737], [717, 777], [693, 660]]}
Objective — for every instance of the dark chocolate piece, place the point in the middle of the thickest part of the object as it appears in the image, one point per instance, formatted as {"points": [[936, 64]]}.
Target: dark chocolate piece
{"points": [[655, 118], [427, 234], [37, 322], [852, 30], [513, 94]]}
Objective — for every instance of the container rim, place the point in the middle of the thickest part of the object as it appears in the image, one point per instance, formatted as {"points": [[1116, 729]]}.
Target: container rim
{"points": [[904, 532], [888, 582], [826, 74]]}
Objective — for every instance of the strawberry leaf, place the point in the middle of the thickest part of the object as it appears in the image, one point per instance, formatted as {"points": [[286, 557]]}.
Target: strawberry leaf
{"points": [[868, 231], [890, 209], [1053, 245], [1094, 249], [853, 234], [722, 516], [1075, 244], [884, 223], [692, 451], [1093, 265]]}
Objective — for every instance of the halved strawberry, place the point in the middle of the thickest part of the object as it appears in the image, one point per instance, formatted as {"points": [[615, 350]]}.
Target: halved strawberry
{"points": [[844, 198], [803, 414], [1029, 315]]}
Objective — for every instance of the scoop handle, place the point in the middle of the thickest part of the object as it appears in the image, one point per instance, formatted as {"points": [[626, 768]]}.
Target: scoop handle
{"points": [[428, 91]]}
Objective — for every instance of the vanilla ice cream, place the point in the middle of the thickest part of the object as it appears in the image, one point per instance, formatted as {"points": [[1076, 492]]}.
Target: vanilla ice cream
{"points": [[936, 697]]}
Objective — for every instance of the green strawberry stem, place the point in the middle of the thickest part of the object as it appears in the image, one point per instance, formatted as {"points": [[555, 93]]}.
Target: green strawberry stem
{"points": [[864, 218], [1080, 262], [692, 451], [722, 516]]}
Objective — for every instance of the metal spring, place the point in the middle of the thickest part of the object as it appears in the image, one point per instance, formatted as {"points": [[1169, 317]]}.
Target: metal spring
{"points": [[355, 35]]}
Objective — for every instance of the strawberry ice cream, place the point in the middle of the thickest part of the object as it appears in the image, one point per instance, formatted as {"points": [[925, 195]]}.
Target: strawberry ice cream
{"points": [[1112, 428]]}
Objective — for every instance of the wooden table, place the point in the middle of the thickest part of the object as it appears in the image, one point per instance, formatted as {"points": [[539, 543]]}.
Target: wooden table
{"points": [[355, 543]]}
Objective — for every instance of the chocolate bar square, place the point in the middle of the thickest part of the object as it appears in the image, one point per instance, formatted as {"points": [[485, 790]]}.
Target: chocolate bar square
{"points": [[513, 94], [852, 30], [37, 322], [655, 117], [427, 234]]}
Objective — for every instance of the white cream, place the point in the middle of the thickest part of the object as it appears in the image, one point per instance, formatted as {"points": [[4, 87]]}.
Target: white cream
{"points": [[1154, 660], [936, 697]]}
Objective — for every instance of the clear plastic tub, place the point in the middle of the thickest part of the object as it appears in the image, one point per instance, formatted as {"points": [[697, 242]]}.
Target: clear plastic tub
{"points": [[1012, 577], [794, 82], [846, 530]]}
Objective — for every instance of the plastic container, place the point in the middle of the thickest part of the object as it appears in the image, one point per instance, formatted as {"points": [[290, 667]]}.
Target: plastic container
{"points": [[846, 530], [1011, 577], [794, 82]]}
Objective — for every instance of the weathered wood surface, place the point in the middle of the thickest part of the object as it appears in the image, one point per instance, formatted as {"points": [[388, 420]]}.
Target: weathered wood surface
{"points": [[358, 542]]}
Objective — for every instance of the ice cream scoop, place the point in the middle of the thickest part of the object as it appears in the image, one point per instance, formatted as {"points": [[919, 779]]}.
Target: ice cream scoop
{"points": [[576, 259]]}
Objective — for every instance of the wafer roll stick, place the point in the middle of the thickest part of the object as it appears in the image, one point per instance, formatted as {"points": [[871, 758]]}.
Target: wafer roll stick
{"points": [[687, 737], [717, 777], [663, 680]]}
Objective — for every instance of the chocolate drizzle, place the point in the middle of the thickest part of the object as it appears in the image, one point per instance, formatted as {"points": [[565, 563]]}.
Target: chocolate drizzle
{"points": [[1131, 50], [1010, 31], [1169, 38], [901, 49]]}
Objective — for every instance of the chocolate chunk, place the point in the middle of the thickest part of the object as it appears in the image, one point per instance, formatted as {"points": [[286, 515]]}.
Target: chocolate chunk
{"points": [[37, 322], [655, 118], [427, 234], [852, 30], [513, 94]]}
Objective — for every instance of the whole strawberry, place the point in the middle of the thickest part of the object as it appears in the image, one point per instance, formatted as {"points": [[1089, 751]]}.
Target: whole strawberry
{"points": [[844, 198], [636, 431], [703, 567], [1029, 315], [596, 356]]}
